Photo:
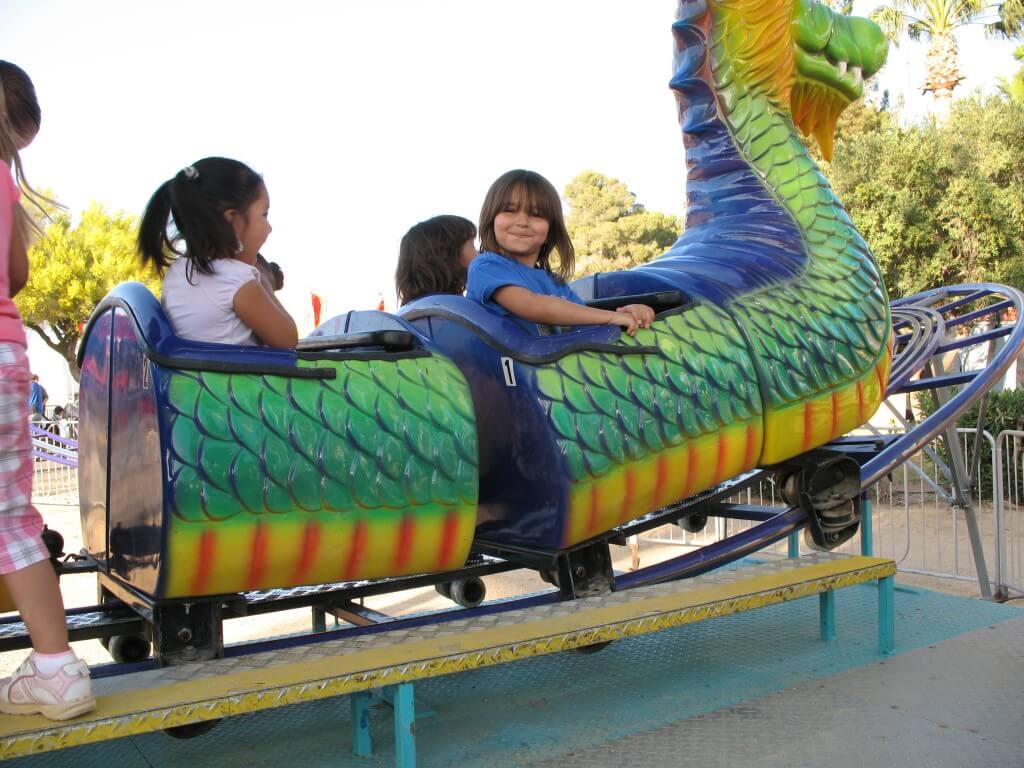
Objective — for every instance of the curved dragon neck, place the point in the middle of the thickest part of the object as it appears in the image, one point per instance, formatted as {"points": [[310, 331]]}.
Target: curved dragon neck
{"points": [[768, 142], [749, 175], [766, 237]]}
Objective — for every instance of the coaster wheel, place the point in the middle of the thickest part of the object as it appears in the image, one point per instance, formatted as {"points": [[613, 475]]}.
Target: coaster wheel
{"points": [[191, 730], [128, 649], [586, 650]]}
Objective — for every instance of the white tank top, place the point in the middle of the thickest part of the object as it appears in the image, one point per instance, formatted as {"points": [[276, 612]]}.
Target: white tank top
{"points": [[204, 309]]}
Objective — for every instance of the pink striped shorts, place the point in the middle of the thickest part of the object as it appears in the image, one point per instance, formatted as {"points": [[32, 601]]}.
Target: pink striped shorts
{"points": [[21, 525]]}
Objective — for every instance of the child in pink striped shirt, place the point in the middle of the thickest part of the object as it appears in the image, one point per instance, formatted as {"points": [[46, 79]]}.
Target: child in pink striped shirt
{"points": [[52, 681]]}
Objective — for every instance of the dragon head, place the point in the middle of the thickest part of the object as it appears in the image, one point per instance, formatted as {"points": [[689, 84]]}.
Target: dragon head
{"points": [[833, 55], [804, 57]]}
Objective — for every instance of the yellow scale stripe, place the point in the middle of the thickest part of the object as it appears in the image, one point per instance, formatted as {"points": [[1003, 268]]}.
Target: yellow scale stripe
{"points": [[284, 542], [786, 428], [692, 466], [140, 711]]}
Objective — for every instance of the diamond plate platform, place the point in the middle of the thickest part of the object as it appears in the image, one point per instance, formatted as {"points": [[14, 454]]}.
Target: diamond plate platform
{"points": [[152, 700]]}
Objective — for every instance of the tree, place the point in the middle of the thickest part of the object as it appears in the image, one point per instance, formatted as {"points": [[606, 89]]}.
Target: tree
{"points": [[940, 204], [72, 268], [1011, 19], [936, 21], [609, 229], [861, 117], [1014, 86]]}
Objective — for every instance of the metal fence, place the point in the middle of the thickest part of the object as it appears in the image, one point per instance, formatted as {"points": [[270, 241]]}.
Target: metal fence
{"points": [[55, 462], [1009, 512]]}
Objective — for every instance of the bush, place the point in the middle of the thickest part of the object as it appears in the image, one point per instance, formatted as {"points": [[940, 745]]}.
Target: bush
{"points": [[1005, 410]]}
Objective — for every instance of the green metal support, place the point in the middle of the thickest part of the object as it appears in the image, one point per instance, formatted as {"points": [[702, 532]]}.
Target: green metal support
{"points": [[319, 619], [867, 539], [886, 616], [362, 745], [405, 726], [827, 614]]}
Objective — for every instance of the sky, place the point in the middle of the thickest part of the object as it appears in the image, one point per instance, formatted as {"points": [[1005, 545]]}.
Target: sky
{"points": [[366, 117]]}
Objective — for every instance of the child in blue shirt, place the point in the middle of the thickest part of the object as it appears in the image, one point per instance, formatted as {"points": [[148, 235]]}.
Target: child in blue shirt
{"points": [[521, 224]]}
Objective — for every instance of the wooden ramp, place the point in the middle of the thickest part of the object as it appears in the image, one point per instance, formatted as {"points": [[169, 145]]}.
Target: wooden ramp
{"points": [[140, 702]]}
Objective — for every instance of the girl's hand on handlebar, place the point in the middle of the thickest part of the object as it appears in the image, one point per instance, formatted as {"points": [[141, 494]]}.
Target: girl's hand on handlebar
{"points": [[625, 321], [643, 314]]}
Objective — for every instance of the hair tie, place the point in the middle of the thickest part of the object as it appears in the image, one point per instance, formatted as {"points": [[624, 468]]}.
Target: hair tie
{"points": [[191, 174]]}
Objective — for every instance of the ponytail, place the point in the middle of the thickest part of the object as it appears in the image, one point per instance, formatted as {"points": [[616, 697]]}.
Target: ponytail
{"points": [[154, 245], [196, 198]]}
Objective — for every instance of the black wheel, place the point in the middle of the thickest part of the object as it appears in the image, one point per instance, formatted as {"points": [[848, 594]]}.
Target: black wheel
{"points": [[694, 523], [128, 649], [444, 589], [468, 593], [586, 650], [54, 542], [788, 484], [551, 577], [191, 730]]}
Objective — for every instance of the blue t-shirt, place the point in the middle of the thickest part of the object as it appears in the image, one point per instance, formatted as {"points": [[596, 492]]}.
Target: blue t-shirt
{"points": [[35, 398], [490, 271]]}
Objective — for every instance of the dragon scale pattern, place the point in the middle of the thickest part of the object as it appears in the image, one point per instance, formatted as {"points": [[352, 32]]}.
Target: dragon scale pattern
{"points": [[641, 431], [372, 473], [821, 341], [799, 357]]}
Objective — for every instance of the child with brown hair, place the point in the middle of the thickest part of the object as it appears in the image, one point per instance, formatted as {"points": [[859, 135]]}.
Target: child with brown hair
{"points": [[521, 226], [434, 256], [52, 680]]}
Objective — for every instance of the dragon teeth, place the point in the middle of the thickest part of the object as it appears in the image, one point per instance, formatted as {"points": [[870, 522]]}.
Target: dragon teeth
{"points": [[858, 75], [842, 68]]}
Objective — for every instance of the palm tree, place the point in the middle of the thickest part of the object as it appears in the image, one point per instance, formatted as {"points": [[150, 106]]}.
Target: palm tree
{"points": [[1011, 19], [935, 21]]}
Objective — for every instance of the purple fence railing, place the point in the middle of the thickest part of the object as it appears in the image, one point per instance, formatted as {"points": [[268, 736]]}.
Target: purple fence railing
{"points": [[52, 447]]}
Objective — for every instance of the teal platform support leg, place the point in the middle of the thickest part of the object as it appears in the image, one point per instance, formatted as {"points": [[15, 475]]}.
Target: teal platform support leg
{"points": [[794, 544], [405, 726], [867, 539], [319, 619], [362, 746], [886, 616], [827, 614]]}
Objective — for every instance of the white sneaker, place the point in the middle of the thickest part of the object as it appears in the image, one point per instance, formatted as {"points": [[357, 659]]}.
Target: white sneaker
{"points": [[65, 695]]}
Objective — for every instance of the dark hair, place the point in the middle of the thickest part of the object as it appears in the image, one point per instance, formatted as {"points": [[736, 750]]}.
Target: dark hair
{"points": [[272, 270], [428, 258], [20, 116], [278, 273], [529, 189], [196, 198]]}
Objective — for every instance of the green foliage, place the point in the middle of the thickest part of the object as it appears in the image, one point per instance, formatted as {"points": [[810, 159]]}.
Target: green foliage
{"points": [[1005, 410], [1011, 19], [859, 118], [926, 18], [1014, 86], [939, 204], [72, 268], [609, 229]]}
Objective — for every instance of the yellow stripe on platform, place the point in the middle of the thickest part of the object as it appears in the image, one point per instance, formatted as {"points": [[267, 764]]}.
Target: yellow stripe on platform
{"points": [[149, 701]]}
